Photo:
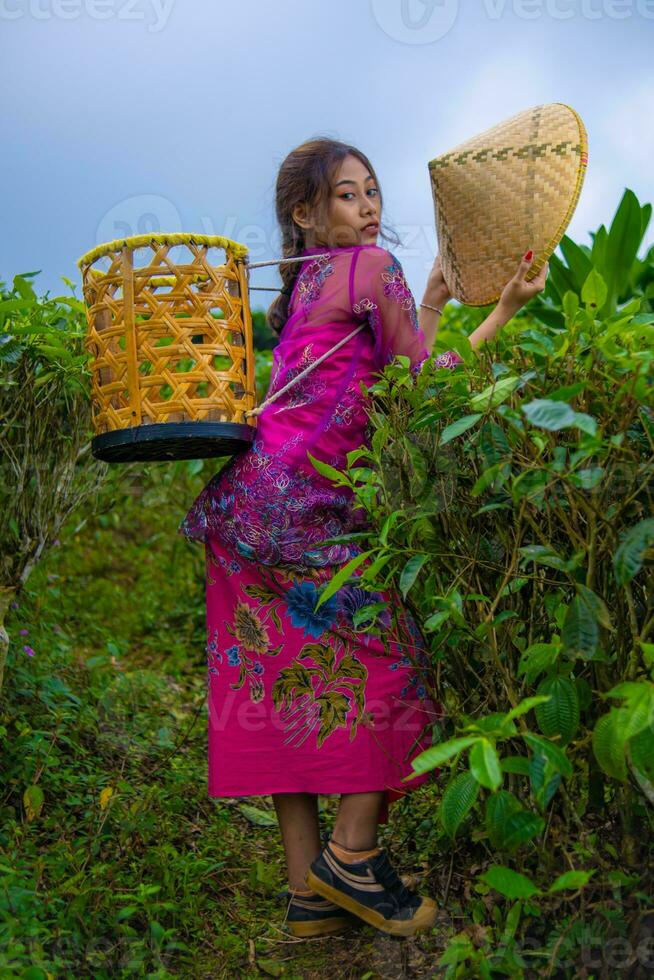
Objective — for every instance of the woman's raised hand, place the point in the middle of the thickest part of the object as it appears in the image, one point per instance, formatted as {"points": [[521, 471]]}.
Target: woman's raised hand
{"points": [[515, 294], [436, 289], [518, 291]]}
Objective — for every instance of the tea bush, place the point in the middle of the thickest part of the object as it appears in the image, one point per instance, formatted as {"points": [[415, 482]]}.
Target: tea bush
{"points": [[512, 504]]}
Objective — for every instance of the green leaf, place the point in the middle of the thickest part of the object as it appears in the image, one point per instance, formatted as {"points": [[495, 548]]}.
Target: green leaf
{"points": [[622, 243], [549, 414], [543, 778], [342, 576], [457, 428], [126, 912], [261, 818], [436, 620], [526, 705], [594, 290], [542, 555], [494, 394], [638, 712], [519, 828], [570, 305], [546, 413], [369, 574], [629, 555], [580, 632], [42, 378], [608, 746], [509, 883], [494, 475], [33, 799], [595, 604], [388, 526], [410, 572], [578, 261], [340, 479], [494, 724], [566, 392], [458, 800], [559, 716], [641, 751], [485, 764], [499, 806], [436, 755], [598, 250], [537, 658], [273, 968], [552, 753], [517, 764], [570, 879]]}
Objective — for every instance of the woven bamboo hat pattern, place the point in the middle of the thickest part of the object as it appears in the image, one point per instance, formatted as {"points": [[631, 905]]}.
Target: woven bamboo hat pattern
{"points": [[513, 187]]}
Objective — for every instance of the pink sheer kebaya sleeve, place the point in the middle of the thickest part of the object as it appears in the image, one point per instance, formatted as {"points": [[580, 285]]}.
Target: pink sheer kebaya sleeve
{"points": [[380, 292]]}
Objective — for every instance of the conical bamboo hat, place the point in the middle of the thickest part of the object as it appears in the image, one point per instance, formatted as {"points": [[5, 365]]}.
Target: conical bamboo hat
{"points": [[511, 188]]}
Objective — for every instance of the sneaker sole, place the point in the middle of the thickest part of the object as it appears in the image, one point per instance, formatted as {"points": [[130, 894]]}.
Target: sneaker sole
{"points": [[424, 918], [305, 929]]}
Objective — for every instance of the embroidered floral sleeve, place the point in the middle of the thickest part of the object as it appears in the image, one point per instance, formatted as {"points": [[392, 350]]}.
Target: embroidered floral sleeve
{"points": [[381, 293]]}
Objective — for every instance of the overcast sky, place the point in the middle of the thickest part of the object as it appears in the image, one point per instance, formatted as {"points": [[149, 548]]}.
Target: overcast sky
{"points": [[124, 116]]}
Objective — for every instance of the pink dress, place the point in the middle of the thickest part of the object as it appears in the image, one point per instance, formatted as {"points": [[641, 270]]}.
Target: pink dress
{"points": [[303, 700]]}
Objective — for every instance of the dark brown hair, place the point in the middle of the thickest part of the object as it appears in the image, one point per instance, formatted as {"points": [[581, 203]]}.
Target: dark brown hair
{"points": [[305, 176]]}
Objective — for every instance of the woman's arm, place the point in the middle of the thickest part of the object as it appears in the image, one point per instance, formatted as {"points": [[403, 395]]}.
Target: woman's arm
{"points": [[436, 294], [515, 294]]}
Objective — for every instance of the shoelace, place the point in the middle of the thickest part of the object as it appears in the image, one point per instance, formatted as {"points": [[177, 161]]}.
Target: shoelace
{"points": [[389, 878]]}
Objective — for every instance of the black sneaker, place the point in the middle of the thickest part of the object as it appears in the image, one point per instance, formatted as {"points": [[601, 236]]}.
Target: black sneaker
{"points": [[373, 891], [313, 915]]}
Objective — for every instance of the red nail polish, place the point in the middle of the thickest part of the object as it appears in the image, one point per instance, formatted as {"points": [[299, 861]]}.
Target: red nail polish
{"points": [[529, 256]]}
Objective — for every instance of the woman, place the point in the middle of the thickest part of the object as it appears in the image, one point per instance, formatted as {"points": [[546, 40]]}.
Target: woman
{"points": [[304, 701]]}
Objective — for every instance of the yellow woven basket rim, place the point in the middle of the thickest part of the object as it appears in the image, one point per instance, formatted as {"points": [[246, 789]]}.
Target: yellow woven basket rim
{"points": [[238, 250]]}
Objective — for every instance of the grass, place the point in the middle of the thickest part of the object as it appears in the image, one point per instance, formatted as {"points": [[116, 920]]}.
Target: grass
{"points": [[120, 864]]}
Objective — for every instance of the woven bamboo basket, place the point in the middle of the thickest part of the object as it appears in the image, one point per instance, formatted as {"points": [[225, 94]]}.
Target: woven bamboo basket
{"points": [[173, 371], [513, 187]]}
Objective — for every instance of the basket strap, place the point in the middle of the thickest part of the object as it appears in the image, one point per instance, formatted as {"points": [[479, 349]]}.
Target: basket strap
{"points": [[292, 258], [260, 408]]}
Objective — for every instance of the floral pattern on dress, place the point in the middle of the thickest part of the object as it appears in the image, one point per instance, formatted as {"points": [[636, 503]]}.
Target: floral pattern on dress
{"points": [[347, 407], [326, 714], [253, 638], [323, 706], [370, 308], [268, 503], [228, 568], [367, 306], [310, 279], [325, 680], [397, 288], [264, 530], [303, 392], [449, 359], [324, 686]]}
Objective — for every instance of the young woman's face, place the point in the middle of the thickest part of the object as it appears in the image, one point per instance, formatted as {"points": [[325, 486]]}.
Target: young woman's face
{"points": [[354, 210]]}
